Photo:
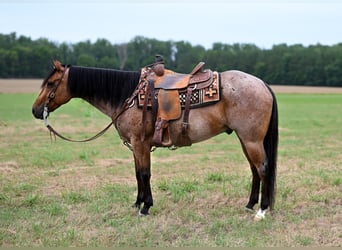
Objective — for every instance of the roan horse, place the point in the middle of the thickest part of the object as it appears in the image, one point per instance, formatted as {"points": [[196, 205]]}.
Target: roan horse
{"points": [[247, 106]]}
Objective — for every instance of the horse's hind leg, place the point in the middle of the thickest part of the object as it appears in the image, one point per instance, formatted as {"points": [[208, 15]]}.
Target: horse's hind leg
{"points": [[255, 189], [256, 155], [254, 196]]}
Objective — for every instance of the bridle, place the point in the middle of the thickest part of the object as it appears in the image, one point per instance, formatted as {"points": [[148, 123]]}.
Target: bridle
{"points": [[128, 104], [51, 96]]}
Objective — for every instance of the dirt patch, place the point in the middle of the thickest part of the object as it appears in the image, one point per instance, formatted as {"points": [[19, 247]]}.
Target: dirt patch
{"points": [[84, 177], [8, 167], [20, 85], [305, 90], [33, 86]]}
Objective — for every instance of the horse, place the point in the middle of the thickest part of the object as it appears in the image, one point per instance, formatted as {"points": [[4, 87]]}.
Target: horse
{"points": [[248, 107]]}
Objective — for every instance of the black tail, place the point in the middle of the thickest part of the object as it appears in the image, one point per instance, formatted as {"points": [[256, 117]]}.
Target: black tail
{"points": [[271, 148]]}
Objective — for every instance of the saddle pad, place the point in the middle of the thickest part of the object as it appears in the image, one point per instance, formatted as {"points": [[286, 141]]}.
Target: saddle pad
{"points": [[199, 97]]}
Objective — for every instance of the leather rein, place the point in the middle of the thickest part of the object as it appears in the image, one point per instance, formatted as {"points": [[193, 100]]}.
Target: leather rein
{"points": [[128, 104]]}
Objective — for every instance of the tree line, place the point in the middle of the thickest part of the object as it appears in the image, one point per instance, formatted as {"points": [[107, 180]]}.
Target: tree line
{"points": [[314, 65]]}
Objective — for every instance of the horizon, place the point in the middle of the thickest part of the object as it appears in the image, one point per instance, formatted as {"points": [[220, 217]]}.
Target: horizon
{"points": [[92, 41], [263, 23]]}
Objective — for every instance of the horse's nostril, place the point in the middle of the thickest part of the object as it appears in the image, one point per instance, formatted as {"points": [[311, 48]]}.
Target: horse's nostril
{"points": [[37, 113]]}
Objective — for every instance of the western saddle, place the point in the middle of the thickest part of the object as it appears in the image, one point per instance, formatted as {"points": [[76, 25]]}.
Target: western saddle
{"points": [[163, 92]]}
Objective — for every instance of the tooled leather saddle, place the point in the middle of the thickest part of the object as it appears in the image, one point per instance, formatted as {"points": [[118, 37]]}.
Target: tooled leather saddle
{"points": [[169, 95]]}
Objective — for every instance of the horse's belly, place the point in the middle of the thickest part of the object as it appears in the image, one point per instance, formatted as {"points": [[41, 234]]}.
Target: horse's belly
{"points": [[204, 123]]}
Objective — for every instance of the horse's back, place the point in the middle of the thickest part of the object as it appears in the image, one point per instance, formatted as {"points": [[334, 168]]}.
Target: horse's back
{"points": [[243, 83]]}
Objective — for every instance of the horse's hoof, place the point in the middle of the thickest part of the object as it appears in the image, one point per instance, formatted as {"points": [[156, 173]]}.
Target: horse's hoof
{"points": [[141, 214], [260, 215], [136, 205], [250, 210]]}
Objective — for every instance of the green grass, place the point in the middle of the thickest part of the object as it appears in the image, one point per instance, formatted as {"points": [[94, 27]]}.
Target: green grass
{"points": [[80, 194]]}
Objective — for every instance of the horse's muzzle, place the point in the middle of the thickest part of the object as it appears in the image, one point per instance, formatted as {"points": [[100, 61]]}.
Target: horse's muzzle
{"points": [[38, 112]]}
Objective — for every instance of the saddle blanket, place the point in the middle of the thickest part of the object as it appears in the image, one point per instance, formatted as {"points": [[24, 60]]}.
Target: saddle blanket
{"points": [[199, 97]]}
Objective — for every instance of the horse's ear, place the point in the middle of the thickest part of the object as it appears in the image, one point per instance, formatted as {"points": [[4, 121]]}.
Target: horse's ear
{"points": [[57, 65]]}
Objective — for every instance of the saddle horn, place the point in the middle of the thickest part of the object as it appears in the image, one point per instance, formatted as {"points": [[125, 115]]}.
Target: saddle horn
{"points": [[158, 66]]}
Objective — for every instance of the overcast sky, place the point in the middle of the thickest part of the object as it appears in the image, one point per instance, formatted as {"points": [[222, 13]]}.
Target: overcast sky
{"points": [[201, 22]]}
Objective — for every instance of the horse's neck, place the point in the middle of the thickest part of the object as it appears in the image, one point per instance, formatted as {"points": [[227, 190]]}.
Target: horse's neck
{"points": [[105, 89], [104, 107]]}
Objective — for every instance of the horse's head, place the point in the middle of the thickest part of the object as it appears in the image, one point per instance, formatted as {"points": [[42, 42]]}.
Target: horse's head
{"points": [[54, 91]]}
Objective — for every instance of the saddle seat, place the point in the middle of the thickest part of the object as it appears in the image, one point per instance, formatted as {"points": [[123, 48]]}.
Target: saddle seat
{"points": [[171, 80]]}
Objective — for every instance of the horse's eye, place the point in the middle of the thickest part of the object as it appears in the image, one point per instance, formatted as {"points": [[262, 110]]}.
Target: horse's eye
{"points": [[50, 84]]}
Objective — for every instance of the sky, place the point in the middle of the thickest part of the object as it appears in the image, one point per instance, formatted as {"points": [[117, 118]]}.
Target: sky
{"points": [[201, 22]]}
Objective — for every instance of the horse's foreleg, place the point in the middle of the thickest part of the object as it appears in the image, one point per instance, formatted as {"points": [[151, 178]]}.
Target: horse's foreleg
{"points": [[143, 174]]}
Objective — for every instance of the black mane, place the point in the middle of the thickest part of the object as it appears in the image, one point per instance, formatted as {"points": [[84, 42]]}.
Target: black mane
{"points": [[95, 84]]}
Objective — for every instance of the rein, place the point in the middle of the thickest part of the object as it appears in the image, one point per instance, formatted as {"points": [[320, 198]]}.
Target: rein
{"points": [[55, 133]]}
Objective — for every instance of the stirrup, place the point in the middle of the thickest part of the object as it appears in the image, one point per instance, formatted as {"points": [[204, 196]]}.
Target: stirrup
{"points": [[161, 136]]}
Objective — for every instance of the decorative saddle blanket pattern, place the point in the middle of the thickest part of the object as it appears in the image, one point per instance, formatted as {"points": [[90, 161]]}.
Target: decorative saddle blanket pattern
{"points": [[199, 97]]}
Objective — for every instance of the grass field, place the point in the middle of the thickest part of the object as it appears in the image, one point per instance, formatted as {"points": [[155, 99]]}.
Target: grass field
{"points": [[73, 194]]}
